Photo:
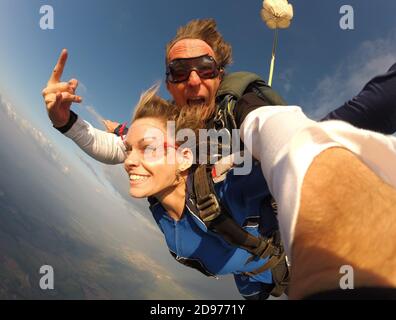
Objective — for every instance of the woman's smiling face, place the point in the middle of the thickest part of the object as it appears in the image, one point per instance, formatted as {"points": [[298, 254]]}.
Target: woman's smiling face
{"points": [[151, 161]]}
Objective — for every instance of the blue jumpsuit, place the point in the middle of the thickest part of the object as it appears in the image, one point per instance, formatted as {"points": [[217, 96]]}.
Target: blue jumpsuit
{"points": [[191, 243]]}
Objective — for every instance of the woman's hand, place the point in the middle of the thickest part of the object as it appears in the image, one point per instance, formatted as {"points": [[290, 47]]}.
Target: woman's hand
{"points": [[59, 96], [110, 125]]}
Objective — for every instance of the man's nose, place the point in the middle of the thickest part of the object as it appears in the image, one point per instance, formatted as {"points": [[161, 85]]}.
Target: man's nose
{"points": [[194, 79]]}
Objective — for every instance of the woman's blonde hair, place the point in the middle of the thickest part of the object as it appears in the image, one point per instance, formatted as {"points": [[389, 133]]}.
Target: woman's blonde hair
{"points": [[151, 105]]}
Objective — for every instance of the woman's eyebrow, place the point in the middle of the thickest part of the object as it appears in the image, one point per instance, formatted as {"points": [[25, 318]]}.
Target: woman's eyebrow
{"points": [[140, 142], [146, 138]]}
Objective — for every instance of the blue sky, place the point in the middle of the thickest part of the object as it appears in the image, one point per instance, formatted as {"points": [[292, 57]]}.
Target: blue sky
{"points": [[116, 50], [117, 47]]}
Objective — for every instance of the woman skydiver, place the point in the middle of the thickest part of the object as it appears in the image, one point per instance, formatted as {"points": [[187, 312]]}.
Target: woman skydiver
{"points": [[161, 168]]}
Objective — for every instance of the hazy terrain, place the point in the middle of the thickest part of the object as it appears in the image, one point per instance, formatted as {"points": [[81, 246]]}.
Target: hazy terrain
{"points": [[101, 244]]}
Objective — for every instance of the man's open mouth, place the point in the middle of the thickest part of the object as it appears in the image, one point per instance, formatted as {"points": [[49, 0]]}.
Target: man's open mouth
{"points": [[194, 102]]}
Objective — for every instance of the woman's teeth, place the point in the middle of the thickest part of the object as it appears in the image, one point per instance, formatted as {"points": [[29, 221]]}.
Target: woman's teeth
{"points": [[135, 177]]}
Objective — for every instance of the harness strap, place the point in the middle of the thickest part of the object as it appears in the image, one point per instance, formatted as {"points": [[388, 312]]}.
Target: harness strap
{"points": [[216, 218], [270, 264], [281, 278]]}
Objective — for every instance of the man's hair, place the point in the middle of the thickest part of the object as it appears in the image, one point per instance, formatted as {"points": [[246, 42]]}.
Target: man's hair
{"points": [[204, 29]]}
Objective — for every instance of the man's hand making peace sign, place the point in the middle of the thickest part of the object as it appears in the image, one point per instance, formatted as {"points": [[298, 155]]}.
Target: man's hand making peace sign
{"points": [[59, 96]]}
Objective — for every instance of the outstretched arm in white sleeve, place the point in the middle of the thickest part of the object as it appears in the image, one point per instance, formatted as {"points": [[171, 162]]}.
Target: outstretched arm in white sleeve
{"points": [[335, 188]]}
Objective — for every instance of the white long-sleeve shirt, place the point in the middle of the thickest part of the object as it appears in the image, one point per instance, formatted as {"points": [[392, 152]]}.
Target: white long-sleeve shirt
{"points": [[100, 145]]}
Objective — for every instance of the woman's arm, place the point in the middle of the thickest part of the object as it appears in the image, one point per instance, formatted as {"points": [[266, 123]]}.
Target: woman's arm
{"points": [[100, 145], [59, 96]]}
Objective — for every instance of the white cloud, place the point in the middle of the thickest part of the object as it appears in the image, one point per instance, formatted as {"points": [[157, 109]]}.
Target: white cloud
{"points": [[370, 59], [286, 79], [37, 136], [82, 88], [96, 115]]}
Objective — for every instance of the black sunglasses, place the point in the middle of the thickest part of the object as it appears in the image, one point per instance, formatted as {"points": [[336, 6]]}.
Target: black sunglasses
{"points": [[179, 70]]}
